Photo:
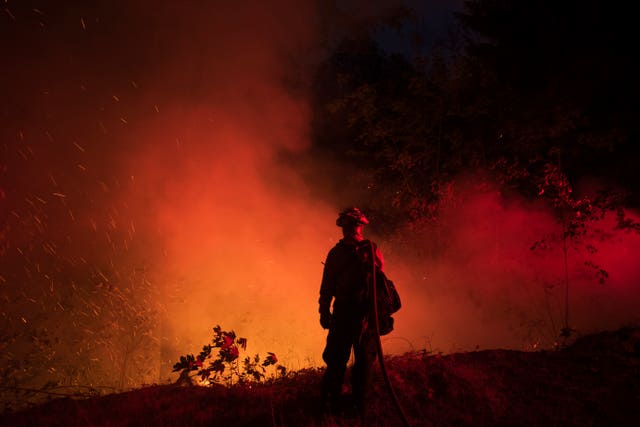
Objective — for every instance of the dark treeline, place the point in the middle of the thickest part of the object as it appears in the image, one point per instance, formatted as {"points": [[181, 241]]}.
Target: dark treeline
{"points": [[542, 95]]}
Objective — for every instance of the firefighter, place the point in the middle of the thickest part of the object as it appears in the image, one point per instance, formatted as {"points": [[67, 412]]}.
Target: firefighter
{"points": [[345, 284]]}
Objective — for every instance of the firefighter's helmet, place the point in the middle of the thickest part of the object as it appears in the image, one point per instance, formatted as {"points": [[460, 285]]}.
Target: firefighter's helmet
{"points": [[351, 216]]}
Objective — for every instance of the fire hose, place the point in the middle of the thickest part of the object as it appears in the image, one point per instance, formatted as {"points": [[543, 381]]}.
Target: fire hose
{"points": [[383, 369]]}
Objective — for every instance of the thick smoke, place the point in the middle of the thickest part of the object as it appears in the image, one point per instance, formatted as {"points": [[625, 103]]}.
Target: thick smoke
{"points": [[477, 279], [241, 243], [145, 200]]}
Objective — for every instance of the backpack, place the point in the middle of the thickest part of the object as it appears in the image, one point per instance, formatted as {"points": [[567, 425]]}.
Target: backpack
{"points": [[387, 302], [387, 297]]}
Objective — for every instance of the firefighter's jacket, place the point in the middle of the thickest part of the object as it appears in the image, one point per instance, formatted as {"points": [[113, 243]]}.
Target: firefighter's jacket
{"points": [[345, 272]]}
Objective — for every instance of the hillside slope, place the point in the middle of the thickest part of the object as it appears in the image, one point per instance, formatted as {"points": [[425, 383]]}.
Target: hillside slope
{"points": [[593, 382]]}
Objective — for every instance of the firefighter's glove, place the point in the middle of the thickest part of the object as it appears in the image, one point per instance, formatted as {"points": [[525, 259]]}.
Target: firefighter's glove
{"points": [[325, 320]]}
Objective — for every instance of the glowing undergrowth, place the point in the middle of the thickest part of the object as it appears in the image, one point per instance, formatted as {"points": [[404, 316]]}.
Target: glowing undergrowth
{"points": [[224, 367], [592, 382]]}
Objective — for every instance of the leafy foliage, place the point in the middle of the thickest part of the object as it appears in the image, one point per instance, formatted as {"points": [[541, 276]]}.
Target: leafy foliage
{"points": [[517, 84], [579, 214], [224, 366]]}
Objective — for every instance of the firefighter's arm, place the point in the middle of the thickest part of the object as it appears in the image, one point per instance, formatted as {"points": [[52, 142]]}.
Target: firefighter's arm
{"points": [[327, 292]]}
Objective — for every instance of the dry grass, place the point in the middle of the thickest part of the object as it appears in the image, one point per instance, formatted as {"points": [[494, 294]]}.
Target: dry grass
{"points": [[594, 382]]}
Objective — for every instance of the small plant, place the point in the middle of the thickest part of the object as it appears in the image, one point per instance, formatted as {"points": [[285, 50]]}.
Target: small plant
{"points": [[578, 215], [225, 366]]}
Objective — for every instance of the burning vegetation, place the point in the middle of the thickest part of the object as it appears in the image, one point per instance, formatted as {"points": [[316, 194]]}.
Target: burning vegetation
{"points": [[226, 367], [595, 381], [166, 168]]}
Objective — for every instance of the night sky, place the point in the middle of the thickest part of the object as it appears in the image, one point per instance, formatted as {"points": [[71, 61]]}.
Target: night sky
{"points": [[147, 193]]}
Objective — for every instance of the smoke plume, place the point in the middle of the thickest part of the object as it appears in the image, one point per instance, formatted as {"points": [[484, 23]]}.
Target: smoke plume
{"points": [[146, 198]]}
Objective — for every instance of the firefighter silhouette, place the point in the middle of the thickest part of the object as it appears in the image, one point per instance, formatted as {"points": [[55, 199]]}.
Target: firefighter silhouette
{"points": [[345, 284]]}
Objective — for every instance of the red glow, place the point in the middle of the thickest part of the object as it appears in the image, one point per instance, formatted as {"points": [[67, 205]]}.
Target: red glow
{"points": [[145, 202], [487, 288]]}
